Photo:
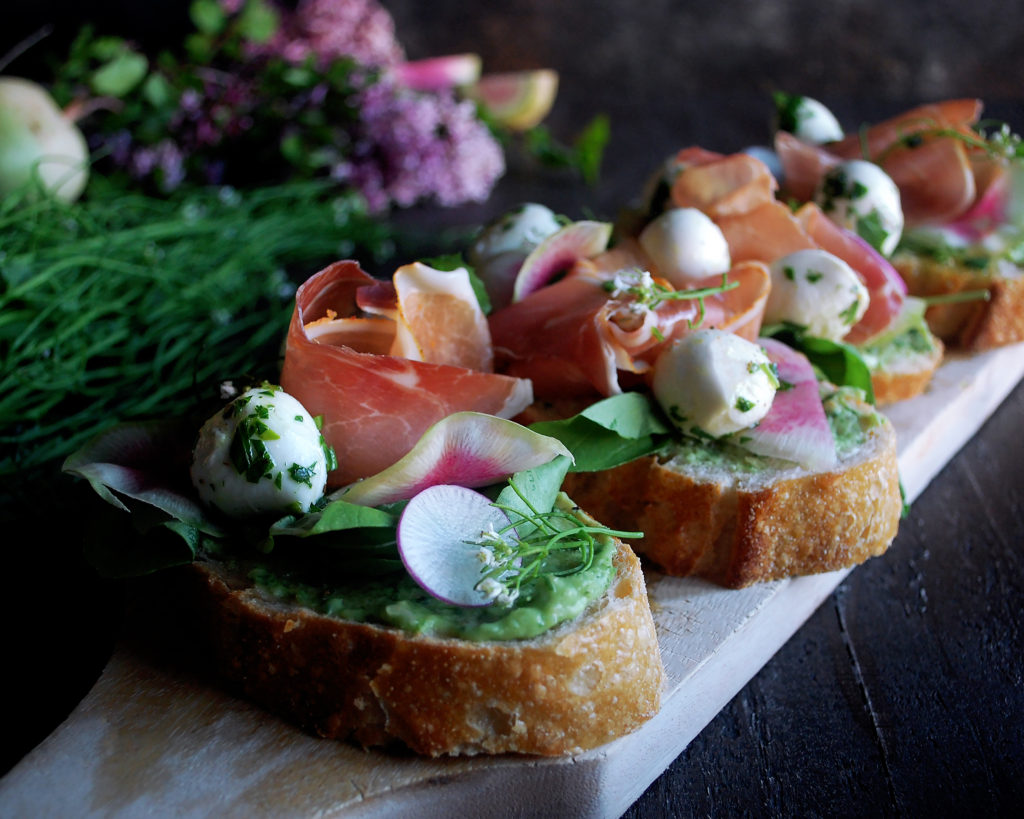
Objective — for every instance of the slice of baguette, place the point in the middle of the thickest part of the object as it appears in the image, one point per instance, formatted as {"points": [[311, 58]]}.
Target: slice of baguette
{"points": [[907, 376], [573, 688], [975, 325], [735, 528]]}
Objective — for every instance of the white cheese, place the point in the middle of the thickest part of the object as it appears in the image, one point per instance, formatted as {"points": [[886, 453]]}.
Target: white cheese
{"points": [[861, 197], [261, 454], [712, 382], [815, 122], [685, 246], [518, 231], [818, 291]]}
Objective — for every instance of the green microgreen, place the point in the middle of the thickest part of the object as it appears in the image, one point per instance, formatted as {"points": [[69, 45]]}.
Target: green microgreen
{"points": [[645, 292], [557, 536]]}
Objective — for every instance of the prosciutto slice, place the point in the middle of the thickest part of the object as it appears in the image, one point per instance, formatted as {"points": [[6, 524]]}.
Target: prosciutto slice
{"points": [[375, 406], [757, 227], [935, 176], [575, 338], [885, 286]]}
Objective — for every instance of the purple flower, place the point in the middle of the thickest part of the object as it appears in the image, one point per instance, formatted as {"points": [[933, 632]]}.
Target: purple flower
{"points": [[410, 146], [331, 29]]}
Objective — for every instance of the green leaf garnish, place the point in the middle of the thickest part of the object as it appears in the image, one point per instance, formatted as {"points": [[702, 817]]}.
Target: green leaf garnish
{"points": [[611, 432], [839, 362]]}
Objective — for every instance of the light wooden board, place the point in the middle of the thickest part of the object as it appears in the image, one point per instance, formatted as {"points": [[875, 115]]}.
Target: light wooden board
{"points": [[151, 740]]}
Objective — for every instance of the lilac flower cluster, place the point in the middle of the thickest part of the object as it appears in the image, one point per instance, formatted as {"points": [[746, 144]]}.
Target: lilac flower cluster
{"points": [[331, 29], [394, 145], [409, 146]]}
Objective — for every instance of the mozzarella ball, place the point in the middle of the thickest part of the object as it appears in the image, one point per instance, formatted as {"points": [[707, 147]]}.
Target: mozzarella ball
{"points": [[818, 291], [712, 382], [261, 454], [685, 246], [812, 121], [518, 231], [862, 197]]}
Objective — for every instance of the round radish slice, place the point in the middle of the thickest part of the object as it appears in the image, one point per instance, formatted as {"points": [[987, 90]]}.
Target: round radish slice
{"points": [[438, 541]]}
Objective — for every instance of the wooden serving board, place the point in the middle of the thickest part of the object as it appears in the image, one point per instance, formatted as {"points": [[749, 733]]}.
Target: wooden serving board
{"points": [[151, 738]]}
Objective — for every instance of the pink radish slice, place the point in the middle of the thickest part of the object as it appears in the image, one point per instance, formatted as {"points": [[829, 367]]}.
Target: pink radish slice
{"points": [[466, 448], [436, 537], [795, 428], [989, 210], [439, 73], [558, 252]]}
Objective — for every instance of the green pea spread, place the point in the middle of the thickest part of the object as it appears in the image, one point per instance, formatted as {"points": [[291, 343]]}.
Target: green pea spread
{"points": [[396, 600]]}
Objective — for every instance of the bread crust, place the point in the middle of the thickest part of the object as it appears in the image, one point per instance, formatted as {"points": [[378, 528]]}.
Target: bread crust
{"points": [[974, 325], [735, 534], [571, 689], [892, 385]]}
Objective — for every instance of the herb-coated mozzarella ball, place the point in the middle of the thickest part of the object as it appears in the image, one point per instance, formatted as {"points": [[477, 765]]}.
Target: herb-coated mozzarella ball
{"points": [[518, 231], [861, 197], [685, 246], [261, 454], [807, 118], [818, 291], [714, 383]]}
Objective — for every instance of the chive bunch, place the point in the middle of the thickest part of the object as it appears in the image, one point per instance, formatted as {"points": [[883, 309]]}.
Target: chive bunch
{"points": [[126, 306]]}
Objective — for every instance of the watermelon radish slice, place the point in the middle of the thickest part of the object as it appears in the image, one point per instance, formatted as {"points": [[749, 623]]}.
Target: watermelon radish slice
{"points": [[466, 448], [558, 252], [990, 209], [519, 100], [795, 428], [439, 73], [438, 541]]}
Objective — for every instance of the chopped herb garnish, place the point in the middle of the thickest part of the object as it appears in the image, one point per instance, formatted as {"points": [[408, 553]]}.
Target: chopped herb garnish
{"points": [[744, 404], [302, 474], [248, 452], [849, 315], [870, 229]]}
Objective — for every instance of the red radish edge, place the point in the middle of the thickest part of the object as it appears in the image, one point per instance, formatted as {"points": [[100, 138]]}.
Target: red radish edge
{"points": [[560, 250]]}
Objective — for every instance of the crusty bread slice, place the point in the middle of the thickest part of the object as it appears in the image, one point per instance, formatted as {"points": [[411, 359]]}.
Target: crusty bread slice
{"points": [[573, 688], [908, 376], [975, 325], [736, 528]]}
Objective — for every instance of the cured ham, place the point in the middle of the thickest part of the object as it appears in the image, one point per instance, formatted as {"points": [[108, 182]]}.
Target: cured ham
{"points": [[758, 227], [885, 286], [375, 406], [579, 335], [924, 150]]}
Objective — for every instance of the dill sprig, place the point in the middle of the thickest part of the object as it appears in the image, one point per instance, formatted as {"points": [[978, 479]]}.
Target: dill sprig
{"points": [[124, 306]]}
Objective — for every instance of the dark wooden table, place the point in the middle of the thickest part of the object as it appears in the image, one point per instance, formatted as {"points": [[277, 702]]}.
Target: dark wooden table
{"points": [[903, 694]]}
